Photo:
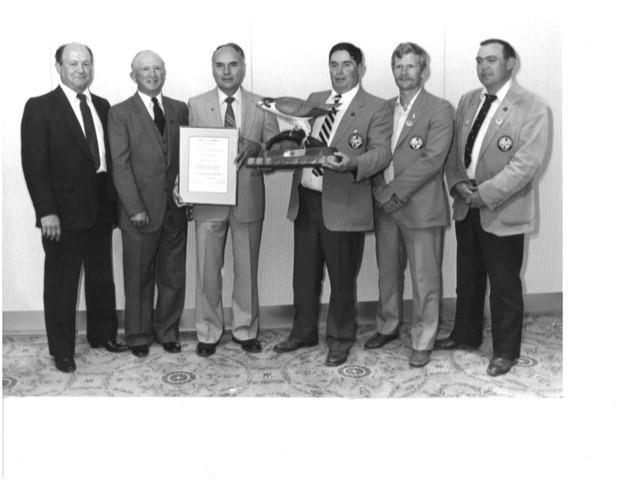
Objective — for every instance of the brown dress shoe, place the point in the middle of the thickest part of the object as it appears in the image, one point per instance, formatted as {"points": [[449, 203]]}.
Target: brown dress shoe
{"points": [[290, 345], [378, 340], [251, 345], [419, 358], [499, 366]]}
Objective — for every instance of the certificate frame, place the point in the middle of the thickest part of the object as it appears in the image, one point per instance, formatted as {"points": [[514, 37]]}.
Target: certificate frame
{"points": [[207, 170]]}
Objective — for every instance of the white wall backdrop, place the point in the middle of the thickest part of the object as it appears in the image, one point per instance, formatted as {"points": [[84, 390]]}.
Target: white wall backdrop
{"points": [[287, 46]]}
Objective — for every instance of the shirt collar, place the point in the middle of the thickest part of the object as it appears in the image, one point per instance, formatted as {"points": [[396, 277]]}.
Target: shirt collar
{"points": [[410, 104], [222, 96], [147, 99], [347, 96], [72, 95], [503, 91]]}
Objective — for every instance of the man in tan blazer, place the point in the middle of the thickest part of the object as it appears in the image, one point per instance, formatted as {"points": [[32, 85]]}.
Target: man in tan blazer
{"points": [[144, 141], [501, 141], [229, 105], [411, 206], [332, 211]]}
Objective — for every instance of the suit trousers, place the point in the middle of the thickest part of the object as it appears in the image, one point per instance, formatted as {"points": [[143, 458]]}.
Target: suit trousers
{"points": [[210, 243], [63, 263], [397, 244], [153, 259], [483, 255], [342, 253]]}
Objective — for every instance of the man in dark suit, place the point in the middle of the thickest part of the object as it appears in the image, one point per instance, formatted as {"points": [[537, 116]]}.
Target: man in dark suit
{"points": [[66, 162], [412, 207], [144, 141], [245, 219], [332, 211], [501, 138]]}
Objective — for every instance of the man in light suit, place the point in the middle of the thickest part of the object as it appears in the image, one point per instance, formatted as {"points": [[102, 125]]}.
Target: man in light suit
{"points": [[144, 140], [66, 162], [411, 206], [229, 105], [332, 211], [501, 140]]}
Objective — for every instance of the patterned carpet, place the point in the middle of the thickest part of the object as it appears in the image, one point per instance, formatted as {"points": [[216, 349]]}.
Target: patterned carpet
{"points": [[28, 370]]}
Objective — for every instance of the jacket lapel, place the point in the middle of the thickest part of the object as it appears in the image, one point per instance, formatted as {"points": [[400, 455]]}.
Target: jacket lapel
{"points": [[146, 122], [248, 113], [349, 116], [500, 115], [411, 117], [68, 117], [212, 109]]}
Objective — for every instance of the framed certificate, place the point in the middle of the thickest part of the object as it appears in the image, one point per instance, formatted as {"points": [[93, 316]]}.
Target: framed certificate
{"points": [[207, 170]]}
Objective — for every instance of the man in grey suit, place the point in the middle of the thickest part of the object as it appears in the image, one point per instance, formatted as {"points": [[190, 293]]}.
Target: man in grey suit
{"points": [[501, 140], [332, 211], [144, 141], [412, 207], [229, 105]]}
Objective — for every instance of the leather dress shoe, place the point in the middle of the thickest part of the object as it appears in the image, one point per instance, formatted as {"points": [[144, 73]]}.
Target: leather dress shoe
{"points": [[140, 350], [290, 345], [110, 345], [65, 364], [251, 345], [171, 347], [446, 344], [419, 358], [378, 340], [205, 349], [334, 359], [499, 366]]}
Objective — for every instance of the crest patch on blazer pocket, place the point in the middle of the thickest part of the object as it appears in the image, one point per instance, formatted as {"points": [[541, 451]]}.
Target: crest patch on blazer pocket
{"points": [[505, 143], [416, 143], [356, 141]]}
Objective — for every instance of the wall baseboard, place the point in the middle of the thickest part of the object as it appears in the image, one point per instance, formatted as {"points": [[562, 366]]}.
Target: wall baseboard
{"points": [[280, 316]]}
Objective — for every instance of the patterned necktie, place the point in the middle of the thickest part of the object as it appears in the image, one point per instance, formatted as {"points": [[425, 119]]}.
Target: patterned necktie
{"points": [[89, 130], [158, 115], [477, 124], [229, 116], [327, 126]]}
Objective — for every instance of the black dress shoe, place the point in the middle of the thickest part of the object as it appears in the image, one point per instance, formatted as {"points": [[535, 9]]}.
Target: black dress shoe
{"points": [[206, 349], [172, 347], [65, 364], [290, 345], [334, 359], [446, 344], [378, 340], [140, 350], [251, 345], [110, 345], [499, 366]]}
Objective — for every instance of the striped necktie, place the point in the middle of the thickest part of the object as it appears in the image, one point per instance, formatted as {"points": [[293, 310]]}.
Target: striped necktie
{"points": [[229, 116], [329, 121], [477, 124]]}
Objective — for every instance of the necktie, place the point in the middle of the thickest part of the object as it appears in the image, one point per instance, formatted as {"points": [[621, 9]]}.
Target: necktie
{"points": [[477, 124], [89, 130], [229, 116], [327, 126], [158, 115]]}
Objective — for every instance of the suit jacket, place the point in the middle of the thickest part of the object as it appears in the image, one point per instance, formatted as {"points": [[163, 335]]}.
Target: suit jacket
{"points": [[513, 149], [418, 161], [364, 133], [145, 164], [57, 164], [255, 125]]}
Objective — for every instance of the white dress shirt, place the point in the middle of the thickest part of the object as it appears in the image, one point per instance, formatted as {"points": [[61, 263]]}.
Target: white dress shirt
{"points": [[149, 103], [477, 145], [236, 105], [399, 119], [308, 179], [74, 101]]}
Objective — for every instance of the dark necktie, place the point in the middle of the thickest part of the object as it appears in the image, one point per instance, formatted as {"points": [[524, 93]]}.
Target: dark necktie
{"points": [[477, 124], [158, 115], [327, 126], [89, 130], [229, 116]]}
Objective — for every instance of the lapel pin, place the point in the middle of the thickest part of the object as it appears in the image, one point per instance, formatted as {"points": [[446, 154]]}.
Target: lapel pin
{"points": [[409, 123]]}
